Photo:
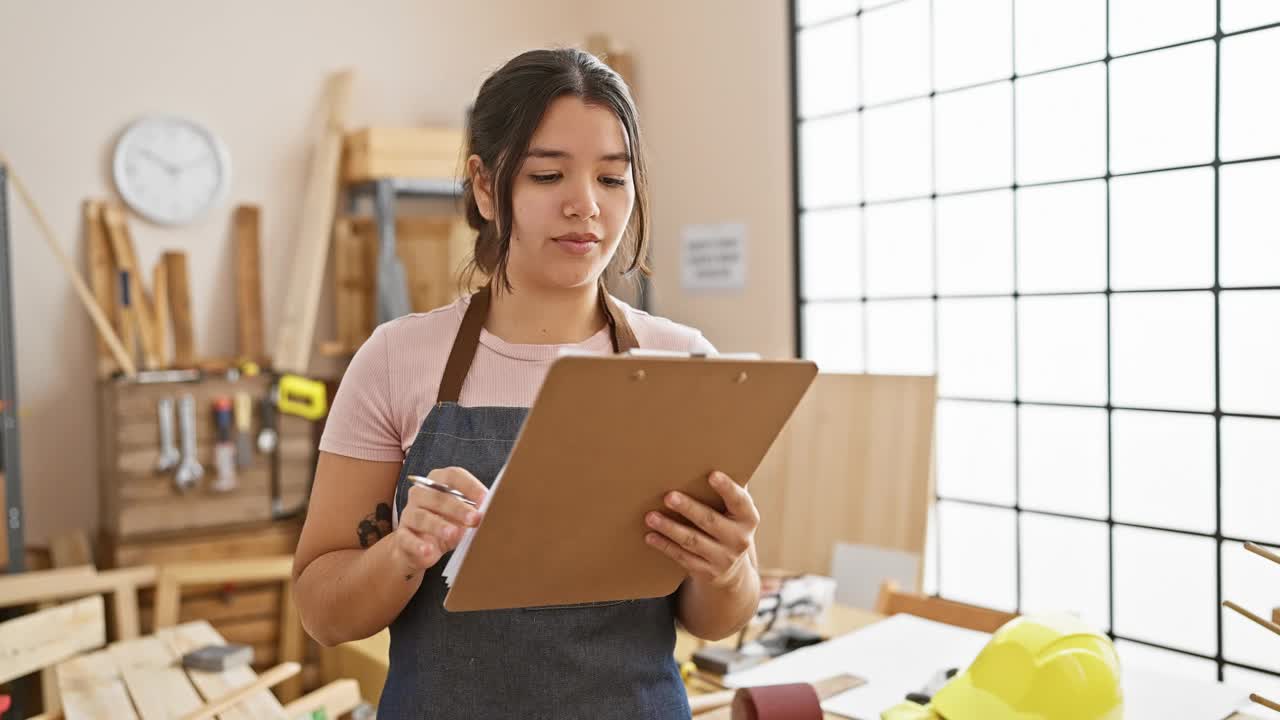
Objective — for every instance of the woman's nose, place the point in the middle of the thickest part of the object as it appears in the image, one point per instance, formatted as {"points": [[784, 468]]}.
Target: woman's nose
{"points": [[581, 202]]}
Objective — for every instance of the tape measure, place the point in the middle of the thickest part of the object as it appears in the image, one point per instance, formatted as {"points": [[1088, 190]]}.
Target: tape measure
{"points": [[301, 396]]}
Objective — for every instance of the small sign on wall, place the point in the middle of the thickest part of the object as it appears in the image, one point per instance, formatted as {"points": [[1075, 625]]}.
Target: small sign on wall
{"points": [[713, 257]]}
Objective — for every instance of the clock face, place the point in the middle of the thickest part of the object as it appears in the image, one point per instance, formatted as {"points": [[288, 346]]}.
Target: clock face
{"points": [[170, 170]]}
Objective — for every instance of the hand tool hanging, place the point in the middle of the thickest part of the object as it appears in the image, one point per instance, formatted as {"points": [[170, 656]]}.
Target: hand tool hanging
{"points": [[267, 435], [189, 470], [304, 397], [169, 457], [244, 420], [224, 450]]}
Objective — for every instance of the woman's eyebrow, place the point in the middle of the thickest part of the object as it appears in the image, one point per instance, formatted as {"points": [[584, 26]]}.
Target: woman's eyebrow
{"points": [[539, 152]]}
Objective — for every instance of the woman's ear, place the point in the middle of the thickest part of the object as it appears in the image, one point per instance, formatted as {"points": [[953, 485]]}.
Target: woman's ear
{"points": [[481, 186]]}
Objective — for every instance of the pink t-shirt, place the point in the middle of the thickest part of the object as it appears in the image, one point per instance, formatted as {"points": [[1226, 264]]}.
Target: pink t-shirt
{"points": [[393, 379]]}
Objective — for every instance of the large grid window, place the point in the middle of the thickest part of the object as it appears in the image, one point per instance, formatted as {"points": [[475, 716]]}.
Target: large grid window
{"points": [[1070, 212]]}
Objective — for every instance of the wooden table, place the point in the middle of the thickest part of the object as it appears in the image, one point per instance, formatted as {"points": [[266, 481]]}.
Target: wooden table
{"points": [[143, 678]]}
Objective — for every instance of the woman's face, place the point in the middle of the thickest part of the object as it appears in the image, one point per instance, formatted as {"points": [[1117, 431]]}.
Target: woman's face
{"points": [[572, 197]]}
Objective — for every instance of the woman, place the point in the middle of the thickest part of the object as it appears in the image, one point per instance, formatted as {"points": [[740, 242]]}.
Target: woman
{"points": [[555, 187]]}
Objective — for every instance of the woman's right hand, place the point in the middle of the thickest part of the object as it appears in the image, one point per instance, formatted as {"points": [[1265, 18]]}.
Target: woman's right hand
{"points": [[432, 523]]}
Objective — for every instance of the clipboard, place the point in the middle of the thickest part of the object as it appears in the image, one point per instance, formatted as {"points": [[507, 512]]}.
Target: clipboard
{"points": [[606, 439]]}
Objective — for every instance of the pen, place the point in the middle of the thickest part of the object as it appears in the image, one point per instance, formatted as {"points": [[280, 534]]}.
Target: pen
{"points": [[423, 482]]}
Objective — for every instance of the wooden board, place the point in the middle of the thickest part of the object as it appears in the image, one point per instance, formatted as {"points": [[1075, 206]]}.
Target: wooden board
{"points": [[184, 351], [433, 250], [223, 605], [311, 251], [70, 549], [100, 321], [256, 631], [250, 502], [103, 279], [252, 540], [292, 643], [185, 638], [45, 637], [852, 465], [160, 289], [91, 688], [155, 679], [336, 699], [125, 258], [253, 601], [403, 152], [23, 588], [248, 283], [354, 283]]}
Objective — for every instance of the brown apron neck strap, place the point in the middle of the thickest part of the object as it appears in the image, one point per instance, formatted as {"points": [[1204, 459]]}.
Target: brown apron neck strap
{"points": [[464, 347], [624, 339], [467, 340]]}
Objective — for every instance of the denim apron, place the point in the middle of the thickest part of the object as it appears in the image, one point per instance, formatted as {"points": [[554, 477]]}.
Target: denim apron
{"points": [[603, 661]]}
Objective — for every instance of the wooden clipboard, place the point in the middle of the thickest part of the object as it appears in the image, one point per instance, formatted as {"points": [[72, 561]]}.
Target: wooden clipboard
{"points": [[606, 439]]}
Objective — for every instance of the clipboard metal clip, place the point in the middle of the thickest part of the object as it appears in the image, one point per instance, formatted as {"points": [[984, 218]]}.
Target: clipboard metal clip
{"points": [[654, 353]]}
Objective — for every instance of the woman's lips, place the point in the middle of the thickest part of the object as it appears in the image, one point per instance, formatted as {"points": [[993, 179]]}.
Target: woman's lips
{"points": [[577, 243]]}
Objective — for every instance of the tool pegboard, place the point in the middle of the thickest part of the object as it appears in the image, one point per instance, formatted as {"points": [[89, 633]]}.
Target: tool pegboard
{"points": [[152, 436]]}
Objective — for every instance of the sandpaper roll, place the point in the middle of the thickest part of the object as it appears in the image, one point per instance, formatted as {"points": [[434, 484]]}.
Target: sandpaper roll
{"points": [[797, 701]]}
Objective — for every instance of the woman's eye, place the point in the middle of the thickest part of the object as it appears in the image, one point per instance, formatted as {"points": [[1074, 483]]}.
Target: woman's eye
{"points": [[614, 181], [545, 177]]}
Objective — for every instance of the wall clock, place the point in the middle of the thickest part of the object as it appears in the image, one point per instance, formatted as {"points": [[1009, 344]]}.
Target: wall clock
{"points": [[170, 170]]}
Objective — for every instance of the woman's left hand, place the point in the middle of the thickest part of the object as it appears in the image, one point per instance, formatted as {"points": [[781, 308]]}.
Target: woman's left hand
{"points": [[717, 547]]}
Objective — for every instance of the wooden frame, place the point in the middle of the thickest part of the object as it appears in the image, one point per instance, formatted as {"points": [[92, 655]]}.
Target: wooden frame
{"points": [[46, 587], [172, 578], [52, 585], [893, 601]]}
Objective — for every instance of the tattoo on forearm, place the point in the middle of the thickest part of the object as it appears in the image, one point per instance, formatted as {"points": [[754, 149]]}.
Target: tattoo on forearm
{"points": [[375, 526]]}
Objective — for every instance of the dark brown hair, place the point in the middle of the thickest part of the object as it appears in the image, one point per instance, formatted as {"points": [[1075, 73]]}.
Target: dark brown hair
{"points": [[500, 126]]}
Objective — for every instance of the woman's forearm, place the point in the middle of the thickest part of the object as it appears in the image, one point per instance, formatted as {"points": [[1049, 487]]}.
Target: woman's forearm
{"points": [[715, 612], [351, 594]]}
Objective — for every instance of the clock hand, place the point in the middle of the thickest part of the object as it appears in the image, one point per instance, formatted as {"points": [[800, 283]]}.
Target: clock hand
{"points": [[171, 169]]}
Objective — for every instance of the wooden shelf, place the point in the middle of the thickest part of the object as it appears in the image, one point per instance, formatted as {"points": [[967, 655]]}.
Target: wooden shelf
{"points": [[433, 156]]}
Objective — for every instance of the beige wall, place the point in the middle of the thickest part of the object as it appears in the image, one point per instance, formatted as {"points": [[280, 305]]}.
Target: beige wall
{"points": [[712, 82], [712, 85]]}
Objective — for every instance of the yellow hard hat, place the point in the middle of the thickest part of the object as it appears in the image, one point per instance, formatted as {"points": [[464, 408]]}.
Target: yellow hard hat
{"points": [[1046, 667]]}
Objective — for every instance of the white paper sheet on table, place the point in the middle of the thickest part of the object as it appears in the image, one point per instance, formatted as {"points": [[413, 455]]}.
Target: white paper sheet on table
{"points": [[895, 656], [1149, 694], [900, 654]]}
